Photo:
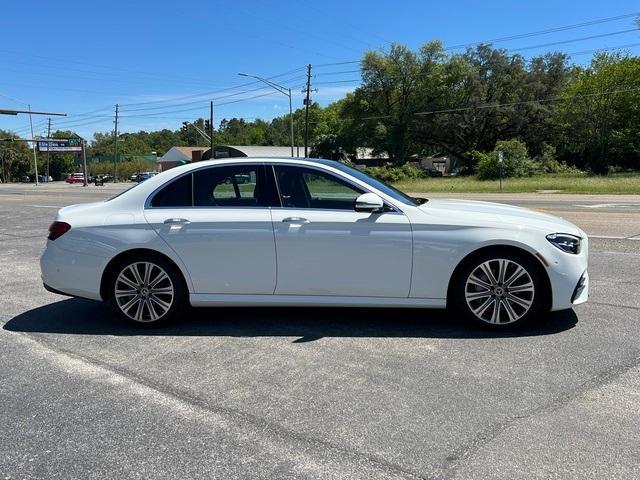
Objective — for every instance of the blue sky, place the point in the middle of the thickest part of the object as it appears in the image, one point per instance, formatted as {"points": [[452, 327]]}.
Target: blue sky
{"points": [[162, 60]]}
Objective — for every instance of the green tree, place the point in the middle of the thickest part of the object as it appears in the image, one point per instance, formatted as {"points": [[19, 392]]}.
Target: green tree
{"points": [[389, 97], [599, 117], [16, 158], [516, 161]]}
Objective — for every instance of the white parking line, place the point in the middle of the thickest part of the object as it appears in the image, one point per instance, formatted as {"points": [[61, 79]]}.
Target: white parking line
{"points": [[610, 237], [610, 205]]}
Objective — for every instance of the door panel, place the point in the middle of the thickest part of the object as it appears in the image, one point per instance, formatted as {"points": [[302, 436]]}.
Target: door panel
{"points": [[325, 247], [225, 250], [342, 253], [218, 222]]}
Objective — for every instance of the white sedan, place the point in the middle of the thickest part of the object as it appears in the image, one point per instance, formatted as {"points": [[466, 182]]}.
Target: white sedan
{"points": [[257, 231]]}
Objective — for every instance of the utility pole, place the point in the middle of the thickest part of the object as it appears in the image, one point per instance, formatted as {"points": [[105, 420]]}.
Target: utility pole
{"points": [[115, 148], [84, 161], [211, 129], [306, 113], [48, 147], [35, 156], [291, 122]]}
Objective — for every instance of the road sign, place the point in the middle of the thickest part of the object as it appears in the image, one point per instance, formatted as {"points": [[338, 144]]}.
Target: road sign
{"points": [[60, 145]]}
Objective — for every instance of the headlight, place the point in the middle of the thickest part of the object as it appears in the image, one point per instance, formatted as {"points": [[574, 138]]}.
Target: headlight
{"points": [[565, 242]]}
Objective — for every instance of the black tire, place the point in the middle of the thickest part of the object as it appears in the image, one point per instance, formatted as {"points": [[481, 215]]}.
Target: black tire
{"points": [[149, 307], [476, 297]]}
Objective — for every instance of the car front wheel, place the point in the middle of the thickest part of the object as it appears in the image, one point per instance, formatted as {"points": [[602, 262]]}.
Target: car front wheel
{"points": [[500, 290], [147, 291]]}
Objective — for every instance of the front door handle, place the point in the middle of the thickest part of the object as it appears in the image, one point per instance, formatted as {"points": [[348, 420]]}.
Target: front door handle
{"points": [[176, 221], [295, 220]]}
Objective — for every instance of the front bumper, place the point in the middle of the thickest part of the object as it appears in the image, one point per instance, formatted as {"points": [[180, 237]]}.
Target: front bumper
{"points": [[581, 292], [568, 276]]}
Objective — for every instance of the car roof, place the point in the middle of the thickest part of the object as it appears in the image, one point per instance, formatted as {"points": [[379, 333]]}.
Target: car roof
{"points": [[222, 161]]}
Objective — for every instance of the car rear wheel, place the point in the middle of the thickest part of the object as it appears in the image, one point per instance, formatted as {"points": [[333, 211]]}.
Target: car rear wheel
{"points": [[147, 291], [500, 290]]}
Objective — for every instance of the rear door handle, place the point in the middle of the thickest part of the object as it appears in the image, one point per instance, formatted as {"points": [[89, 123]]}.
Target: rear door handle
{"points": [[295, 220], [176, 221]]}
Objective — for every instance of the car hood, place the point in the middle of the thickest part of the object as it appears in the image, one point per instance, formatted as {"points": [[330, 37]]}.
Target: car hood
{"points": [[477, 213]]}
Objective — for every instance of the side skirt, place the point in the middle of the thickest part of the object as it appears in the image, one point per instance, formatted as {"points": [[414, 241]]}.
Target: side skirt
{"points": [[212, 300]]}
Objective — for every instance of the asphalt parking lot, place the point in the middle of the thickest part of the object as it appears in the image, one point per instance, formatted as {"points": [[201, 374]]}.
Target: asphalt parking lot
{"points": [[318, 393]]}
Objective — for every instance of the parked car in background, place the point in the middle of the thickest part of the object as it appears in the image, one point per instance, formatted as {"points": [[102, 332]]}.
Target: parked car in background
{"points": [[75, 178], [310, 233], [142, 176]]}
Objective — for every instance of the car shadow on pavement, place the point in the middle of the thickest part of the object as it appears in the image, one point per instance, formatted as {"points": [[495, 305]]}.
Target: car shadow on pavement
{"points": [[84, 317]]}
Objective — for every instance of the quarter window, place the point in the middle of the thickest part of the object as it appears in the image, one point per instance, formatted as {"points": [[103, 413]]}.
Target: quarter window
{"points": [[176, 194], [301, 187]]}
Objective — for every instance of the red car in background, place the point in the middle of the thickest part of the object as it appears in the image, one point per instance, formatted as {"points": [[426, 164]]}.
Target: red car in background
{"points": [[75, 178]]}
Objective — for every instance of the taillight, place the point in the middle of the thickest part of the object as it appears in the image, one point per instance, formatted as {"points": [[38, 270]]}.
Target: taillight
{"points": [[57, 229]]}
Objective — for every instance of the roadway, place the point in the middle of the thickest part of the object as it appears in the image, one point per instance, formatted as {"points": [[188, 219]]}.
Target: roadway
{"points": [[317, 393]]}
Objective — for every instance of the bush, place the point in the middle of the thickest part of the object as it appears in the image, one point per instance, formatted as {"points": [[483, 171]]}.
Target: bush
{"points": [[548, 163], [516, 161], [407, 171]]}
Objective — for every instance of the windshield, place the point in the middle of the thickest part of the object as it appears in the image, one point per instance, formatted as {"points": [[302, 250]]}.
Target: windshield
{"points": [[374, 182]]}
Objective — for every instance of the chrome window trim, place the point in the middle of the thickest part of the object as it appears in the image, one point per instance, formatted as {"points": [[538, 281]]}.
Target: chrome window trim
{"points": [[328, 172], [147, 202], [272, 164]]}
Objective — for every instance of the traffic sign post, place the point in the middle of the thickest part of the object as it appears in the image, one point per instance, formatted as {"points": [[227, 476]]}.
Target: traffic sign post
{"points": [[59, 145], [501, 166]]}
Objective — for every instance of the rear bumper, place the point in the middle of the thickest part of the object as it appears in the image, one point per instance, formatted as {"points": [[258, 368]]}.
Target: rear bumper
{"points": [[54, 290], [71, 273]]}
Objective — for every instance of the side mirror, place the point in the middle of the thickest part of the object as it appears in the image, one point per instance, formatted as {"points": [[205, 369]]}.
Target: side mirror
{"points": [[369, 202]]}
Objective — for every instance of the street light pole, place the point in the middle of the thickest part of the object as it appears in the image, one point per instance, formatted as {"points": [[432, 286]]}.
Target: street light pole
{"points": [[285, 91], [35, 155]]}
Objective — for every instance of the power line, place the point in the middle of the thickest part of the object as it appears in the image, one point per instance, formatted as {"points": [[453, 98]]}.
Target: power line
{"points": [[584, 52], [107, 67], [522, 35], [208, 94], [351, 27], [74, 117], [545, 31], [336, 73], [499, 105], [338, 81], [123, 77], [542, 100], [62, 89], [19, 102], [199, 101], [573, 40]]}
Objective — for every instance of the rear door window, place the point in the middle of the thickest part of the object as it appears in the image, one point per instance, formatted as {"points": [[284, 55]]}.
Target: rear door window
{"points": [[231, 186]]}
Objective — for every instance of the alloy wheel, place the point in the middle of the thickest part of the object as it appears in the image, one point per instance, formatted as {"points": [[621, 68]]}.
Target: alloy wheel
{"points": [[499, 291], [144, 292]]}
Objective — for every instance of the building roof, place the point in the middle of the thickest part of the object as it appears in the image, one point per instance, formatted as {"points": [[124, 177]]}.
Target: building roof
{"points": [[260, 151], [178, 154]]}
